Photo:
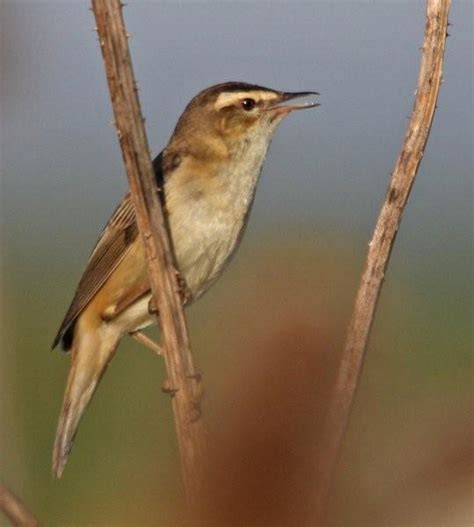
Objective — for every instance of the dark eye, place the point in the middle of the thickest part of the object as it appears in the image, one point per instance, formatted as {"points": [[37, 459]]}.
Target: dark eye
{"points": [[248, 104]]}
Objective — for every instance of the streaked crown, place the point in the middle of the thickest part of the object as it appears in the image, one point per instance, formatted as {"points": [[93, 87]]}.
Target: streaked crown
{"points": [[233, 107]]}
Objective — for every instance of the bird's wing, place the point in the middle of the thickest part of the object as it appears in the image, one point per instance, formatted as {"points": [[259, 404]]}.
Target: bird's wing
{"points": [[113, 244]]}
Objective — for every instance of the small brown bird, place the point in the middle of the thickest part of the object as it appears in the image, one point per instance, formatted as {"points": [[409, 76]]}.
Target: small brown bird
{"points": [[207, 177]]}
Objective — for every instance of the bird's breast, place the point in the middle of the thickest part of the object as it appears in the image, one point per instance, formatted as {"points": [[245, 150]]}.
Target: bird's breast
{"points": [[208, 210]]}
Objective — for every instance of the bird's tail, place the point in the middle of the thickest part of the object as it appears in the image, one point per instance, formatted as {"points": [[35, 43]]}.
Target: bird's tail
{"points": [[91, 353]]}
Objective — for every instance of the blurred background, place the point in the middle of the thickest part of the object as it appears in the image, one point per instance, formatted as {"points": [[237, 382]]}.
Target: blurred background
{"points": [[268, 335]]}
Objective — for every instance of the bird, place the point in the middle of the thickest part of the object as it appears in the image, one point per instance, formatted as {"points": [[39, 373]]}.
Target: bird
{"points": [[206, 178]]}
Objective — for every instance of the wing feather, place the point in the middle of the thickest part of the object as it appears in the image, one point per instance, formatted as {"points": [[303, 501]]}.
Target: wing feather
{"points": [[113, 244]]}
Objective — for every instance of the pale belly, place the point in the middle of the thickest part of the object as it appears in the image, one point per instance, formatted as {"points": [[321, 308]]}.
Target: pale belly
{"points": [[204, 240], [202, 253]]}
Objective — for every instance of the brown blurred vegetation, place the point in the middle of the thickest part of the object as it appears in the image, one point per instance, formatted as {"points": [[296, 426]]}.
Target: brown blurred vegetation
{"points": [[264, 440]]}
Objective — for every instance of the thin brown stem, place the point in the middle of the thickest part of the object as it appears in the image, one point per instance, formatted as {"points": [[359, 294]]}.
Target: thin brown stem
{"points": [[15, 509], [150, 219], [416, 136]]}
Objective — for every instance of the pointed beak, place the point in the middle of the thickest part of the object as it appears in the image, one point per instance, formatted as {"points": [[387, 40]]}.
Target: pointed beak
{"points": [[306, 99]]}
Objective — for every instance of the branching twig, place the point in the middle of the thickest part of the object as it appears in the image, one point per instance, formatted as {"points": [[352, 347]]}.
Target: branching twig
{"points": [[129, 121], [15, 509], [416, 136]]}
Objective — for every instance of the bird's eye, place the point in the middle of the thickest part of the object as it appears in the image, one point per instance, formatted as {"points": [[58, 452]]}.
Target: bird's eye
{"points": [[248, 104]]}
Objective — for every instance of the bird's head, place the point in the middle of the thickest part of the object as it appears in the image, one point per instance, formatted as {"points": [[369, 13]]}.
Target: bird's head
{"points": [[237, 112]]}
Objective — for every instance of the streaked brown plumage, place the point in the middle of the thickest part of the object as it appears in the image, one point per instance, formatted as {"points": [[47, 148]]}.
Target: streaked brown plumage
{"points": [[207, 177]]}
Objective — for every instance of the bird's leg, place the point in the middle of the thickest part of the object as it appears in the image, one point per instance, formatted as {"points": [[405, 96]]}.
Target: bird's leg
{"points": [[183, 289], [156, 348], [147, 342], [186, 296]]}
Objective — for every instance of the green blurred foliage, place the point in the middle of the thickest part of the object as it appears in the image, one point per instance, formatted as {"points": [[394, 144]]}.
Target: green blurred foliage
{"points": [[124, 469]]}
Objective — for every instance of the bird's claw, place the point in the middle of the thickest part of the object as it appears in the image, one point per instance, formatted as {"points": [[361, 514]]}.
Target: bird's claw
{"points": [[166, 387], [152, 309], [184, 293], [183, 289]]}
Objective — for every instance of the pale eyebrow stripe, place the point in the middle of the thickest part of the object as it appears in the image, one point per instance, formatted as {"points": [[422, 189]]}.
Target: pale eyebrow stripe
{"points": [[229, 98]]}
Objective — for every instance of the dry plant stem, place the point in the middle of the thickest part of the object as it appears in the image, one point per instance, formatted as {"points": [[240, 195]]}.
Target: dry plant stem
{"points": [[131, 132], [15, 509], [416, 136]]}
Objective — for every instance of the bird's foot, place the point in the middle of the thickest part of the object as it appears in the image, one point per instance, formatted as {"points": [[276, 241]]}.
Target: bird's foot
{"points": [[183, 289], [184, 293], [152, 309], [166, 387]]}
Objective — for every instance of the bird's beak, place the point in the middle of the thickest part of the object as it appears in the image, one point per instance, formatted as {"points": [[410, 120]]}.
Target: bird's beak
{"points": [[307, 100]]}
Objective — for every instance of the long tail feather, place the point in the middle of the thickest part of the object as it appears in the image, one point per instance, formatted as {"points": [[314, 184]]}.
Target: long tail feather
{"points": [[91, 353]]}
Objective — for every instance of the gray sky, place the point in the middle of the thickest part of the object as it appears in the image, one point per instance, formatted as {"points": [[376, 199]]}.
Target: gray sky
{"points": [[61, 168]]}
